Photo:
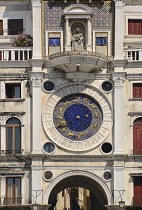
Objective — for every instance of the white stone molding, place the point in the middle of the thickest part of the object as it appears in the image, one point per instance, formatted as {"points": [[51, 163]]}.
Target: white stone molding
{"points": [[55, 136], [77, 173], [77, 8], [119, 125]]}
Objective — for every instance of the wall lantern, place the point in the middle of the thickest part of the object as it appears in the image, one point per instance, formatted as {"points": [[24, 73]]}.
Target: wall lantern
{"points": [[121, 203]]}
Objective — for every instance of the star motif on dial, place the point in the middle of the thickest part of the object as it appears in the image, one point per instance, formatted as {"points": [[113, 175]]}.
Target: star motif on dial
{"points": [[77, 117]]}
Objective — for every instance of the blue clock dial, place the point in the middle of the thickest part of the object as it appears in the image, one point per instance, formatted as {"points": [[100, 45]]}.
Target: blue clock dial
{"points": [[78, 117]]}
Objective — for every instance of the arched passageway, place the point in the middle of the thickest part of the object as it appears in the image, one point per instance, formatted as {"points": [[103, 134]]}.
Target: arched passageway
{"points": [[95, 193]]}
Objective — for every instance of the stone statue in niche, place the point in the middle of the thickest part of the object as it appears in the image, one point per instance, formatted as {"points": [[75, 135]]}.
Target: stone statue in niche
{"points": [[77, 40]]}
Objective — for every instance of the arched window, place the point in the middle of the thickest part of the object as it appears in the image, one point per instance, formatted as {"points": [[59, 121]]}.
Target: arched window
{"points": [[13, 136], [137, 136]]}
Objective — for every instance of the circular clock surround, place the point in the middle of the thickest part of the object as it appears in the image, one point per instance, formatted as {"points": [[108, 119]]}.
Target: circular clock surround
{"points": [[71, 112]]}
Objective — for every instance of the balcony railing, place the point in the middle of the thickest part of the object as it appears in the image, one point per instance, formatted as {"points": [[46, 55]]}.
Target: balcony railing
{"points": [[11, 152], [137, 201], [133, 54], [10, 200], [18, 54]]}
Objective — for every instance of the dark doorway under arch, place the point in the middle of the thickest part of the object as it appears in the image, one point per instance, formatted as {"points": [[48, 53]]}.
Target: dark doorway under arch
{"points": [[97, 195]]}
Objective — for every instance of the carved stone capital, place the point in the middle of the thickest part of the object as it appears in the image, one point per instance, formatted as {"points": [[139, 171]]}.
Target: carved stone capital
{"points": [[2, 120], [119, 3], [118, 78], [36, 2], [119, 81], [36, 79]]}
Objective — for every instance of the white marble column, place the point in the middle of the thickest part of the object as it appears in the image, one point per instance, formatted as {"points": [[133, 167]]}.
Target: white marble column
{"points": [[37, 45], [67, 37], [3, 134], [119, 124], [36, 79], [3, 188], [119, 29], [88, 46], [119, 182], [5, 26], [36, 190]]}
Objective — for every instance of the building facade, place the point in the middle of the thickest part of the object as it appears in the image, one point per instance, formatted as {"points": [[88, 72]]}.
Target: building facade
{"points": [[70, 98]]}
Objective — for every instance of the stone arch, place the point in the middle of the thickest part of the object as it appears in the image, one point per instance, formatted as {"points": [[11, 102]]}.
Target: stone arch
{"points": [[88, 179]]}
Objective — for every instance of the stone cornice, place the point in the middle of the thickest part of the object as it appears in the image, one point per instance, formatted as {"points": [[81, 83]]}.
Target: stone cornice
{"points": [[85, 158], [119, 62], [14, 64], [135, 114], [134, 76], [11, 113], [15, 76], [12, 100]]}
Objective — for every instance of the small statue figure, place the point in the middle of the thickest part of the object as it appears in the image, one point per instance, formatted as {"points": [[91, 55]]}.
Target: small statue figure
{"points": [[77, 40]]}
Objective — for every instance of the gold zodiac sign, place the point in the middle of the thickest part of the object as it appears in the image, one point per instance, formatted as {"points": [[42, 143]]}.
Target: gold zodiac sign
{"points": [[95, 125], [70, 134], [63, 129], [60, 110], [96, 113], [93, 106], [62, 123], [58, 117], [81, 134], [76, 100], [85, 99], [66, 103]]}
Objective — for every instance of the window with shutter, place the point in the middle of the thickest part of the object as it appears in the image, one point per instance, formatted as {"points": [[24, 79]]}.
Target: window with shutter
{"points": [[137, 190], [137, 136], [137, 90], [13, 90], [13, 190], [13, 136], [15, 26], [135, 27], [1, 27]]}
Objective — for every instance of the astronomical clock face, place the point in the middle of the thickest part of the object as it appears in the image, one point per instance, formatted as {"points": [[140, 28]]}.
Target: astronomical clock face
{"points": [[77, 117]]}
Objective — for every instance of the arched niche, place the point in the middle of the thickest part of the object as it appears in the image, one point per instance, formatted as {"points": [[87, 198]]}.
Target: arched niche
{"points": [[78, 16]]}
